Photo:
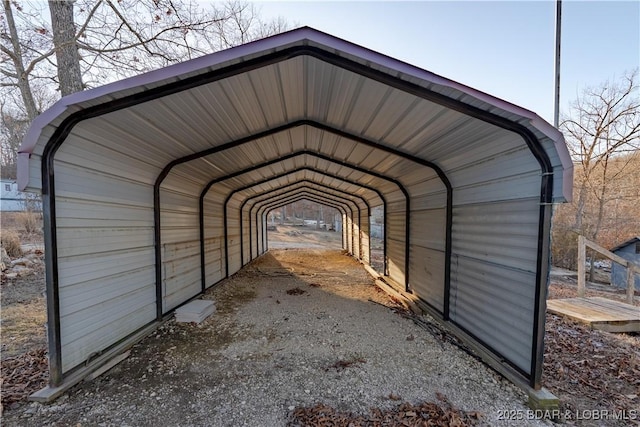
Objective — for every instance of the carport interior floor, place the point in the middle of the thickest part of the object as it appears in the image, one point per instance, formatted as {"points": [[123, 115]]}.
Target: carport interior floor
{"points": [[294, 328]]}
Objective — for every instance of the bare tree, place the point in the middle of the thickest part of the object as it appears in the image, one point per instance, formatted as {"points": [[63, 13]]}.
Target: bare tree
{"points": [[602, 130], [12, 52], [242, 24], [64, 42], [88, 43], [603, 123], [12, 130]]}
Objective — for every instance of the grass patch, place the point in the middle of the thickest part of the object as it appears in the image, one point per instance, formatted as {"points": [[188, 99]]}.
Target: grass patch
{"points": [[23, 327]]}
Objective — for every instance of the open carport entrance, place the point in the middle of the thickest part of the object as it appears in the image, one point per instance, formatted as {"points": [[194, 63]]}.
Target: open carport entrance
{"points": [[355, 209], [309, 224], [146, 184]]}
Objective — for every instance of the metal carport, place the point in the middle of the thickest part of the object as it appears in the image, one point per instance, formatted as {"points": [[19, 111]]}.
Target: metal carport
{"points": [[148, 187]]}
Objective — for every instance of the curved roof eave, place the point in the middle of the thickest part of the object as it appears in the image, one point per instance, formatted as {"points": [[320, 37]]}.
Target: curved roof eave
{"points": [[44, 125], [275, 193], [263, 196]]}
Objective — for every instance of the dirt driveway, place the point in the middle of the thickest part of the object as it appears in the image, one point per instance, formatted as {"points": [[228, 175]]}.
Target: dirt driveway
{"points": [[296, 328]]}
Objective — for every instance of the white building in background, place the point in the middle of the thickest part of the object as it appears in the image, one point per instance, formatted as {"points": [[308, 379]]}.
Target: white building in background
{"points": [[12, 200]]}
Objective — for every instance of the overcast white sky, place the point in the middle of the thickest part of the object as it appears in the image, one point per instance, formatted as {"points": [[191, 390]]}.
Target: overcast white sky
{"points": [[503, 48]]}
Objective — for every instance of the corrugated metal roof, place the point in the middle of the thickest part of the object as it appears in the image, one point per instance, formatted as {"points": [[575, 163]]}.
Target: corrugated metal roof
{"points": [[241, 109]]}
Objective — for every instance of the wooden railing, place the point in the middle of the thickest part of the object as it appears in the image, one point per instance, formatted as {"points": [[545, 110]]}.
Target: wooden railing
{"points": [[632, 268]]}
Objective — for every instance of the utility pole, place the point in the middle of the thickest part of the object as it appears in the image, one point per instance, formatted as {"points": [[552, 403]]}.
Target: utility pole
{"points": [[556, 109]]}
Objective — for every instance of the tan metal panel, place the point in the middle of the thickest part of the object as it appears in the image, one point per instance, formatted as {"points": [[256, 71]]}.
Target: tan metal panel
{"points": [[84, 241], [97, 327], [499, 233], [426, 271], [428, 228], [292, 86], [89, 270], [514, 188], [494, 303]]}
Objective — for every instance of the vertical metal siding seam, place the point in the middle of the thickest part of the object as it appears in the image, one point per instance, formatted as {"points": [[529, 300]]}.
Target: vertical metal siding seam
{"points": [[203, 278]]}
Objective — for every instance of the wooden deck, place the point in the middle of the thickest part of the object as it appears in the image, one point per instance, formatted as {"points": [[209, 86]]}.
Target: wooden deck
{"points": [[599, 313]]}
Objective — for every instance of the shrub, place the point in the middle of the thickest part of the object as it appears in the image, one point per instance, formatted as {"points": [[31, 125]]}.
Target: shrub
{"points": [[30, 221], [564, 248], [10, 241]]}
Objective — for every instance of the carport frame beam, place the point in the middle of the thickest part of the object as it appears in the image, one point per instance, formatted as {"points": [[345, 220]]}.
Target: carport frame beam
{"points": [[266, 194]]}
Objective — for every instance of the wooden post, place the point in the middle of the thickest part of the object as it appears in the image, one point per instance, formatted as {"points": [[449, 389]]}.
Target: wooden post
{"points": [[631, 285], [632, 268], [582, 259]]}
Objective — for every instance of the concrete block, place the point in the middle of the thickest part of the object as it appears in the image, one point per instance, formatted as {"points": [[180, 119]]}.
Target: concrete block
{"points": [[543, 400]]}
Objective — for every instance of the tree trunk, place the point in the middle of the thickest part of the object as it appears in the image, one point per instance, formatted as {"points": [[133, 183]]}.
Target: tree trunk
{"points": [[67, 56], [601, 202], [22, 77]]}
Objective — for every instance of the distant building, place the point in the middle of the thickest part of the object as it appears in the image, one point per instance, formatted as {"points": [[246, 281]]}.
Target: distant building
{"points": [[12, 200], [629, 250]]}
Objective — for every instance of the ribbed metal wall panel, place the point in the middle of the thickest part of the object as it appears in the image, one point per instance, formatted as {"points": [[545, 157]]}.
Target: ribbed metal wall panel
{"points": [[506, 166], [522, 186], [246, 237], [426, 271], [88, 213], [474, 232], [97, 327], [180, 240], [214, 235], [98, 141], [487, 146], [101, 187], [492, 274], [493, 303], [364, 236], [357, 241], [261, 242], [181, 276], [428, 228], [106, 281], [233, 236], [396, 236]]}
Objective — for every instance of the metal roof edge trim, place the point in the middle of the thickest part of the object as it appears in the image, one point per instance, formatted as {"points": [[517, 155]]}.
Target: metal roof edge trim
{"points": [[626, 243], [300, 36]]}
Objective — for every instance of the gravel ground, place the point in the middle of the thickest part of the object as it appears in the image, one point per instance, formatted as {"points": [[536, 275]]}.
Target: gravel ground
{"points": [[293, 329]]}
